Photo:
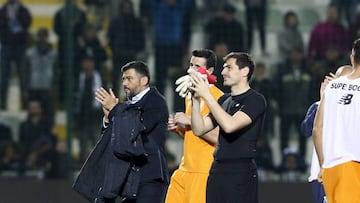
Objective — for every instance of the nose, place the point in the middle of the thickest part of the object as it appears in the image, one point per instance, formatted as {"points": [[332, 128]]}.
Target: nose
{"points": [[224, 71]]}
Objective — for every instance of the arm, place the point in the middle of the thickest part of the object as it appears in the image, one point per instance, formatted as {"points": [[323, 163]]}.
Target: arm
{"points": [[307, 124], [226, 121], [185, 123], [200, 125], [26, 18], [212, 136]]}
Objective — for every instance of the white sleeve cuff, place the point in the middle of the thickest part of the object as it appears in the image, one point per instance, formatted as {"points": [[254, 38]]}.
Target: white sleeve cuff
{"points": [[105, 122]]}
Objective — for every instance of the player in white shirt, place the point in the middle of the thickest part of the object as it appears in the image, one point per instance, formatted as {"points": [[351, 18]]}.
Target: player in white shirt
{"points": [[307, 128], [336, 135]]}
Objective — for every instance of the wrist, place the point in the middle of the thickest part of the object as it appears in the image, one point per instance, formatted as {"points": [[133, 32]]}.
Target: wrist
{"points": [[111, 107], [106, 122]]}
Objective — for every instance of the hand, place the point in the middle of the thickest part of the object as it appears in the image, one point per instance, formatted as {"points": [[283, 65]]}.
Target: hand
{"points": [[319, 178], [174, 127], [325, 82], [107, 99], [182, 119], [331, 76], [200, 86], [183, 83], [106, 114], [172, 123]]}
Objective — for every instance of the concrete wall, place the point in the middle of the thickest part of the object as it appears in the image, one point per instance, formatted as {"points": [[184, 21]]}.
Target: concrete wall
{"points": [[60, 191]]}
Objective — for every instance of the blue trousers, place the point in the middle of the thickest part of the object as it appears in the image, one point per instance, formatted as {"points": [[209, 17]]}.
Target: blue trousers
{"points": [[318, 191]]}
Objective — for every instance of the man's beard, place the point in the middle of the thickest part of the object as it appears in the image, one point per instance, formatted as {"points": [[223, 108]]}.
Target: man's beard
{"points": [[129, 94]]}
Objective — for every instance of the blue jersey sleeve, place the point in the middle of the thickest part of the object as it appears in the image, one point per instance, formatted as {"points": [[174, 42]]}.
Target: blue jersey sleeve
{"points": [[308, 123]]}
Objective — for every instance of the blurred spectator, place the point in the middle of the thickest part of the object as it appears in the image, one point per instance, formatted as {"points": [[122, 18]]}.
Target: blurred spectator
{"points": [[328, 33], [292, 166], [5, 132], [189, 17], [168, 24], [88, 45], [221, 50], [264, 155], [98, 11], [225, 28], [9, 153], [355, 28], [78, 21], [264, 158], [266, 87], [88, 110], [10, 159], [293, 97], [346, 9], [289, 36], [331, 61], [211, 7], [38, 142], [126, 36], [40, 65], [256, 11], [15, 21]]}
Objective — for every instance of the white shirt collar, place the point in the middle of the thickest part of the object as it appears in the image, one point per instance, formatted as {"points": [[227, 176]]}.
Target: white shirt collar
{"points": [[139, 96]]}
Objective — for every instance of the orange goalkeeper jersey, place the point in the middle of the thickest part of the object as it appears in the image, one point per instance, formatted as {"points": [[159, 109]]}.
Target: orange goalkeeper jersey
{"points": [[198, 153]]}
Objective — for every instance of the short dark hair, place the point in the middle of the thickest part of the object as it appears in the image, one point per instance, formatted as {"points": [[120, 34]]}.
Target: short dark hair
{"points": [[289, 14], [140, 68], [208, 54], [242, 60], [356, 50]]}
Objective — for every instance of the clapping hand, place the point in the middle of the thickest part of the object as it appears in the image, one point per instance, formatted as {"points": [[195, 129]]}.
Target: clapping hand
{"points": [[200, 86], [184, 82], [107, 99]]}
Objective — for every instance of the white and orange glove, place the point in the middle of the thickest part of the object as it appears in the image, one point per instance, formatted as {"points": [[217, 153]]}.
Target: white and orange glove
{"points": [[184, 82]]}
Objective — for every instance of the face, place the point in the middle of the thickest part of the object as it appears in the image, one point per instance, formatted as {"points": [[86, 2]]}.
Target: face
{"points": [[34, 108], [260, 72], [221, 49], [88, 66], [332, 14], [231, 72], [197, 62], [90, 33], [133, 83], [292, 21], [126, 8]]}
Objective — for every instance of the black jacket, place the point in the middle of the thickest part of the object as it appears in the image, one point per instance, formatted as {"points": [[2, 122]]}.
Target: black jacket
{"points": [[23, 17], [114, 168]]}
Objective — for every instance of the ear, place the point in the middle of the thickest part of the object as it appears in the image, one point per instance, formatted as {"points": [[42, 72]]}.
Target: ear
{"points": [[210, 70], [245, 71], [144, 81], [352, 59]]}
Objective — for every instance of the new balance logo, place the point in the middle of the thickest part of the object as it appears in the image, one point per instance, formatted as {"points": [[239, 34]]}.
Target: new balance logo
{"points": [[346, 99]]}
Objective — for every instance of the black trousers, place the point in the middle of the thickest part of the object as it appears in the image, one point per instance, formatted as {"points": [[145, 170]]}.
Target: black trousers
{"points": [[232, 182], [149, 192]]}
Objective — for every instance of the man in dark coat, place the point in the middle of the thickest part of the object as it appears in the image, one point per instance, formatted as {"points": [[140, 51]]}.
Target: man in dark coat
{"points": [[141, 121], [15, 21]]}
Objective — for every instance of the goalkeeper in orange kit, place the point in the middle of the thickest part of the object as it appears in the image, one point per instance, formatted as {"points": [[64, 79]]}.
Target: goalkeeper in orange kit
{"points": [[188, 183]]}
